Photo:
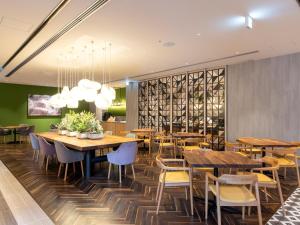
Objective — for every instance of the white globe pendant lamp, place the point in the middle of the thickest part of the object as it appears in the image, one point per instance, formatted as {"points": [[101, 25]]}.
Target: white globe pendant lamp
{"points": [[112, 93], [102, 102], [90, 95], [56, 101], [76, 93], [72, 103]]}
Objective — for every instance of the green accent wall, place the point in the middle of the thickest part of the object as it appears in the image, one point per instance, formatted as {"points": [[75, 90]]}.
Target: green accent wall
{"points": [[13, 106], [119, 104]]}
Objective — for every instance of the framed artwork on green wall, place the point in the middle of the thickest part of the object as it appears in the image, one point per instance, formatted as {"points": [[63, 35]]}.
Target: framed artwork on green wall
{"points": [[38, 105]]}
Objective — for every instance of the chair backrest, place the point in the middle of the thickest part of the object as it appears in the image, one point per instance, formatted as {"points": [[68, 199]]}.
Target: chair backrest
{"points": [[193, 141], [131, 135], [126, 153], [108, 132], [65, 155], [34, 141], [160, 163], [45, 147], [238, 179]]}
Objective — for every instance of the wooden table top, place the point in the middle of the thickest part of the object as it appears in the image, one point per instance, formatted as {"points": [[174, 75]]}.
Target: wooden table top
{"points": [[219, 159], [12, 127], [265, 142], [143, 130], [187, 135], [87, 144]]}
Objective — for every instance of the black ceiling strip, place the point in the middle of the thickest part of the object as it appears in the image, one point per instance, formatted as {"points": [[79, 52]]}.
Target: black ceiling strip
{"points": [[298, 1], [80, 18], [40, 27]]}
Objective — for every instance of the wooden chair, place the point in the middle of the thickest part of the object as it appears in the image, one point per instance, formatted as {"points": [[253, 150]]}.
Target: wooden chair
{"points": [[175, 176], [207, 141], [251, 152], [234, 147], [231, 190], [166, 142], [265, 181], [287, 158]]}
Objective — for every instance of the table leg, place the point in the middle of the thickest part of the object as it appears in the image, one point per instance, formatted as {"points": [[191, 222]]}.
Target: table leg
{"points": [[88, 165], [15, 136]]}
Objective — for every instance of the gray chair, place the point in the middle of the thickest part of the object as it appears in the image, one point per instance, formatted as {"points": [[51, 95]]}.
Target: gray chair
{"points": [[35, 146], [66, 156], [4, 133], [47, 150]]}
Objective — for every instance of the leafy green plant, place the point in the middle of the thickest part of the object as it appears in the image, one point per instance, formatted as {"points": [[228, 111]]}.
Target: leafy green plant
{"points": [[96, 127]]}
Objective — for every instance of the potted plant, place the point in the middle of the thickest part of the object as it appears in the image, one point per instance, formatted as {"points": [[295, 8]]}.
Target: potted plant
{"points": [[83, 124], [62, 130], [70, 120], [96, 131]]}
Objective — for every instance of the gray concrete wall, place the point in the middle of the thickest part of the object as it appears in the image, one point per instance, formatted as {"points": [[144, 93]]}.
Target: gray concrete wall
{"points": [[263, 98]]}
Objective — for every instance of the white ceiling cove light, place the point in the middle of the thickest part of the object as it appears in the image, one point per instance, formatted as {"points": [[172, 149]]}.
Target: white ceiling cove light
{"points": [[249, 22]]}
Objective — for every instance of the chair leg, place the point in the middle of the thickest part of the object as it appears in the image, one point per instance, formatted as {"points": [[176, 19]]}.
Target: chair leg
{"points": [[38, 155], [33, 157], [243, 212], [59, 169], [133, 172], [284, 175], [186, 194], [74, 169], [206, 198], [157, 191], [266, 194], [258, 206], [47, 162], [298, 174], [280, 194], [81, 166], [125, 170], [192, 199], [66, 172], [109, 170], [219, 211], [159, 198], [120, 174]]}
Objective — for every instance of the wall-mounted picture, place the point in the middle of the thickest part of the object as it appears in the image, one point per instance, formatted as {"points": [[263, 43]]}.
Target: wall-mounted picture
{"points": [[38, 105]]}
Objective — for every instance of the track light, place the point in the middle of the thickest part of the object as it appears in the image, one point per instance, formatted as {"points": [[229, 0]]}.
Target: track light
{"points": [[249, 22]]}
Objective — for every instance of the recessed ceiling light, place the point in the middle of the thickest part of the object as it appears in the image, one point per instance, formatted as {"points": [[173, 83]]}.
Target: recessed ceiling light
{"points": [[187, 63], [198, 34], [237, 52], [169, 44]]}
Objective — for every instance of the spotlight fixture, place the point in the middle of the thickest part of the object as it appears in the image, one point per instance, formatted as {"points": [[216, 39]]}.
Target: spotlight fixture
{"points": [[249, 22]]}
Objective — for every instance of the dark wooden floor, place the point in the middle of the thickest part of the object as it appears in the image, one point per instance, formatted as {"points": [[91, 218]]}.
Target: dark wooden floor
{"points": [[102, 201]]}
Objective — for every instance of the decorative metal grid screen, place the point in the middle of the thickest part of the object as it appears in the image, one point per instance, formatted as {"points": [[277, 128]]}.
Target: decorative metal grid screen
{"points": [[143, 104], [164, 103], [179, 103], [152, 104], [194, 100], [196, 91], [215, 102]]}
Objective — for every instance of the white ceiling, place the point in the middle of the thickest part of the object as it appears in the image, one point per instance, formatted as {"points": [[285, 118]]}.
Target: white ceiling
{"points": [[202, 30]]}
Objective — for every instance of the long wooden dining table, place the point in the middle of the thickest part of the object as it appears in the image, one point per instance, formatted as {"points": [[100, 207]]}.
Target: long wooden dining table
{"points": [[88, 146]]}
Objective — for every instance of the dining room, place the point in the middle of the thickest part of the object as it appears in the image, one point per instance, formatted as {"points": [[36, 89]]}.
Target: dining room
{"points": [[149, 112]]}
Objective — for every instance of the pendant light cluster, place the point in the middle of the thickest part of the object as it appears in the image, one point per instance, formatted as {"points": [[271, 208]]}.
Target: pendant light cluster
{"points": [[76, 78]]}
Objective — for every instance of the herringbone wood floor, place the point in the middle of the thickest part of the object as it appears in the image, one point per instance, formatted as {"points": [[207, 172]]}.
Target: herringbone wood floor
{"points": [[102, 201]]}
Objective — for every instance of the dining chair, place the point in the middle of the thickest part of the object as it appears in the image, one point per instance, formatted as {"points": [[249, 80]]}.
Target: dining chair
{"points": [[35, 146], [125, 155], [265, 181], [4, 133], [206, 143], [47, 150], [167, 143], [173, 176], [232, 190], [66, 156], [24, 133], [191, 144], [287, 158], [130, 135]]}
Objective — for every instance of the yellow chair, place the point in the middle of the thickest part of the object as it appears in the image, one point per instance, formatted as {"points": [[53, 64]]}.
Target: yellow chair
{"points": [[265, 181], [178, 176], [167, 142], [207, 141], [288, 158], [191, 144], [234, 147], [231, 190]]}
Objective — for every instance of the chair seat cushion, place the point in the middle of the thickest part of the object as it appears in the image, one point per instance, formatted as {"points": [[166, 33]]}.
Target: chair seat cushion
{"points": [[205, 144], [203, 169], [243, 154], [191, 148], [175, 177], [167, 144], [253, 150], [233, 193], [146, 141], [262, 178], [283, 162]]}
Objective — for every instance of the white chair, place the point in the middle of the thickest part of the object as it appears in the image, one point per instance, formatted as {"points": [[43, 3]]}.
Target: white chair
{"points": [[179, 176], [231, 190]]}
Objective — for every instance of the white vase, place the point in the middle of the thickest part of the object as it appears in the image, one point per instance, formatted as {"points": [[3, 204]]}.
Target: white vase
{"points": [[95, 135], [72, 133], [62, 132], [82, 135]]}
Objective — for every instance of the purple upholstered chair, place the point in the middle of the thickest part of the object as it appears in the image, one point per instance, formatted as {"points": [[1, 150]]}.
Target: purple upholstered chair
{"points": [[65, 155], [35, 146], [123, 156], [47, 149]]}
